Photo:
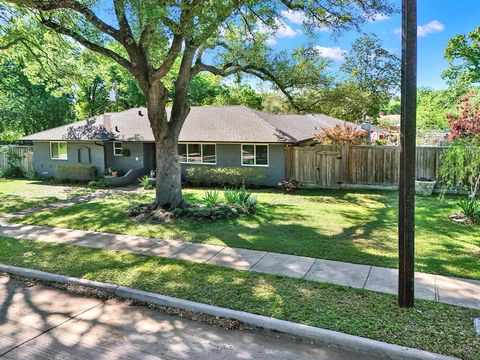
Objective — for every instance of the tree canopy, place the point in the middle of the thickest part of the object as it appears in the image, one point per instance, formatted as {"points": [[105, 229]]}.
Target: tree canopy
{"points": [[463, 54]]}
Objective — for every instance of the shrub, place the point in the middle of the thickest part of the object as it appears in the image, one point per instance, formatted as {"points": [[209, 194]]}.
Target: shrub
{"points": [[288, 186], [240, 197], [471, 209], [75, 172], [211, 198], [99, 184], [144, 182], [225, 176], [341, 135]]}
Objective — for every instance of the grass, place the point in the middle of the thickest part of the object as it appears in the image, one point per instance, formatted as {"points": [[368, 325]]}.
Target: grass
{"points": [[19, 194], [430, 326], [358, 227]]}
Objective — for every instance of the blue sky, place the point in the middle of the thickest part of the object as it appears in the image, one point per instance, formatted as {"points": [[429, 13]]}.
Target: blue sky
{"points": [[438, 21]]}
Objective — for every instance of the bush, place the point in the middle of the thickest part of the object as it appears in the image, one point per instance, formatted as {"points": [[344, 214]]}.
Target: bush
{"points": [[288, 186], [75, 172], [99, 184], [240, 197], [144, 182], [211, 198], [216, 212], [225, 176], [471, 209], [344, 134]]}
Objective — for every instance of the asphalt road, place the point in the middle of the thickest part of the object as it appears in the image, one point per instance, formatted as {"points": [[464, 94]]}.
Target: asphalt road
{"points": [[39, 322]]}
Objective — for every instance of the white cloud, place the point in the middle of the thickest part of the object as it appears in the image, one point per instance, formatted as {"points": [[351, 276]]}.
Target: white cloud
{"points": [[296, 17], [432, 27], [424, 30], [334, 53], [283, 30], [378, 17]]}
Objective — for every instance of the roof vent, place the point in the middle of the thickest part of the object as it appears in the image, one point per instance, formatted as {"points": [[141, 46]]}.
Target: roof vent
{"points": [[140, 113], [107, 122]]}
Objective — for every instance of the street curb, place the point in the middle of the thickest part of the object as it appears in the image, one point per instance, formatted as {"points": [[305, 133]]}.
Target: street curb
{"points": [[345, 341]]}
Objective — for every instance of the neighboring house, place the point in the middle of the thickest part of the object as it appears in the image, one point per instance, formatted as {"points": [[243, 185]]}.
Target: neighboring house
{"points": [[391, 121], [223, 136]]}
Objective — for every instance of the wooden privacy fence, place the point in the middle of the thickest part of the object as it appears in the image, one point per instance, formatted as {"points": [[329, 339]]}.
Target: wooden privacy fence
{"points": [[361, 166], [25, 158]]}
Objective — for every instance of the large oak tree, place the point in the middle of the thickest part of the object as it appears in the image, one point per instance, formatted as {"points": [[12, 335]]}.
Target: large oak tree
{"points": [[156, 40]]}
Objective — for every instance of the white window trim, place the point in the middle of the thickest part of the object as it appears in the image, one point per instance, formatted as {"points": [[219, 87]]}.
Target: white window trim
{"points": [[50, 148], [255, 155], [121, 148], [201, 153]]}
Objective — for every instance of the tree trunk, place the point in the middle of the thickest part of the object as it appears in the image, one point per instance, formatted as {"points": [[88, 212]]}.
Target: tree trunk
{"points": [[168, 184]]}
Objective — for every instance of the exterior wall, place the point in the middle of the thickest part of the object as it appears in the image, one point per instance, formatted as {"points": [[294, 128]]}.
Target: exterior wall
{"points": [[142, 156], [125, 163], [46, 167], [229, 155]]}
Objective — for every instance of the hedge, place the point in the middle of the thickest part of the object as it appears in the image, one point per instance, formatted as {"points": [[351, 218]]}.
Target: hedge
{"points": [[75, 172], [225, 176]]}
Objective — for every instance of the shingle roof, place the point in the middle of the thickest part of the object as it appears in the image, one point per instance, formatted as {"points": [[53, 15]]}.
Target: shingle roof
{"points": [[203, 124]]}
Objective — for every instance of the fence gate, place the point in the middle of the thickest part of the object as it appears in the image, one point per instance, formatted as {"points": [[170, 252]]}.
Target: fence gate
{"points": [[329, 168], [25, 158]]}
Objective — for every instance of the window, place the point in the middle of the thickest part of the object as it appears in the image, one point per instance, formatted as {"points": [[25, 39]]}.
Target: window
{"points": [[197, 153], [255, 155], [117, 148], [58, 150]]}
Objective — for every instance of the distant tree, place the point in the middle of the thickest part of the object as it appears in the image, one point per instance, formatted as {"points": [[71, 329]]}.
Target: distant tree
{"points": [[466, 123], [344, 134], [461, 161], [237, 94], [463, 54], [432, 108], [277, 103], [27, 107], [392, 107], [375, 70]]}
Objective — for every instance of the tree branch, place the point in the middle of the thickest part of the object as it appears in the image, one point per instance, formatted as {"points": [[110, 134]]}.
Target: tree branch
{"points": [[10, 44], [75, 6], [88, 44]]}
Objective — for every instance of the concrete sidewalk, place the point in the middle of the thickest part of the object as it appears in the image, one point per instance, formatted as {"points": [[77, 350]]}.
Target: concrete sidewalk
{"points": [[455, 291], [39, 322]]}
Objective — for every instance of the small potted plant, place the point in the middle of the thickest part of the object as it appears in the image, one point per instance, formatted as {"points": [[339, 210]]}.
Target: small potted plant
{"points": [[424, 186]]}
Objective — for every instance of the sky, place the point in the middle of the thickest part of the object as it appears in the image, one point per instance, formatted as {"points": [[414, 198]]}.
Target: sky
{"points": [[438, 20]]}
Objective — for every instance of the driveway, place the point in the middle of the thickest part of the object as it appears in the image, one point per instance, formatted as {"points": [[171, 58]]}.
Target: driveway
{"points": [[39, 322]]}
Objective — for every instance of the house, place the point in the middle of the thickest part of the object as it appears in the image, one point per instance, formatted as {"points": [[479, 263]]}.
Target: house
{"points": [[212, 137]]}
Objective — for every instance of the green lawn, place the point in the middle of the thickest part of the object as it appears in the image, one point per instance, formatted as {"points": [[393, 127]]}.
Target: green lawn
{"points": [[430, 326], [19, 194], [358, 227]]}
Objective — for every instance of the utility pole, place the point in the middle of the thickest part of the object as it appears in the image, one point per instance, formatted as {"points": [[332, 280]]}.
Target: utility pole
{"points": [[406, 203]]}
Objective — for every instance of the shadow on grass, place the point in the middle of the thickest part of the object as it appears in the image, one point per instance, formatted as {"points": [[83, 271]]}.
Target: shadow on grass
{"points": [[357, 227]]}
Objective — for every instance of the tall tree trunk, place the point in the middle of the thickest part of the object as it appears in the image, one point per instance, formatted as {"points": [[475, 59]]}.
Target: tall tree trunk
{"points": [[168, 184]]}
